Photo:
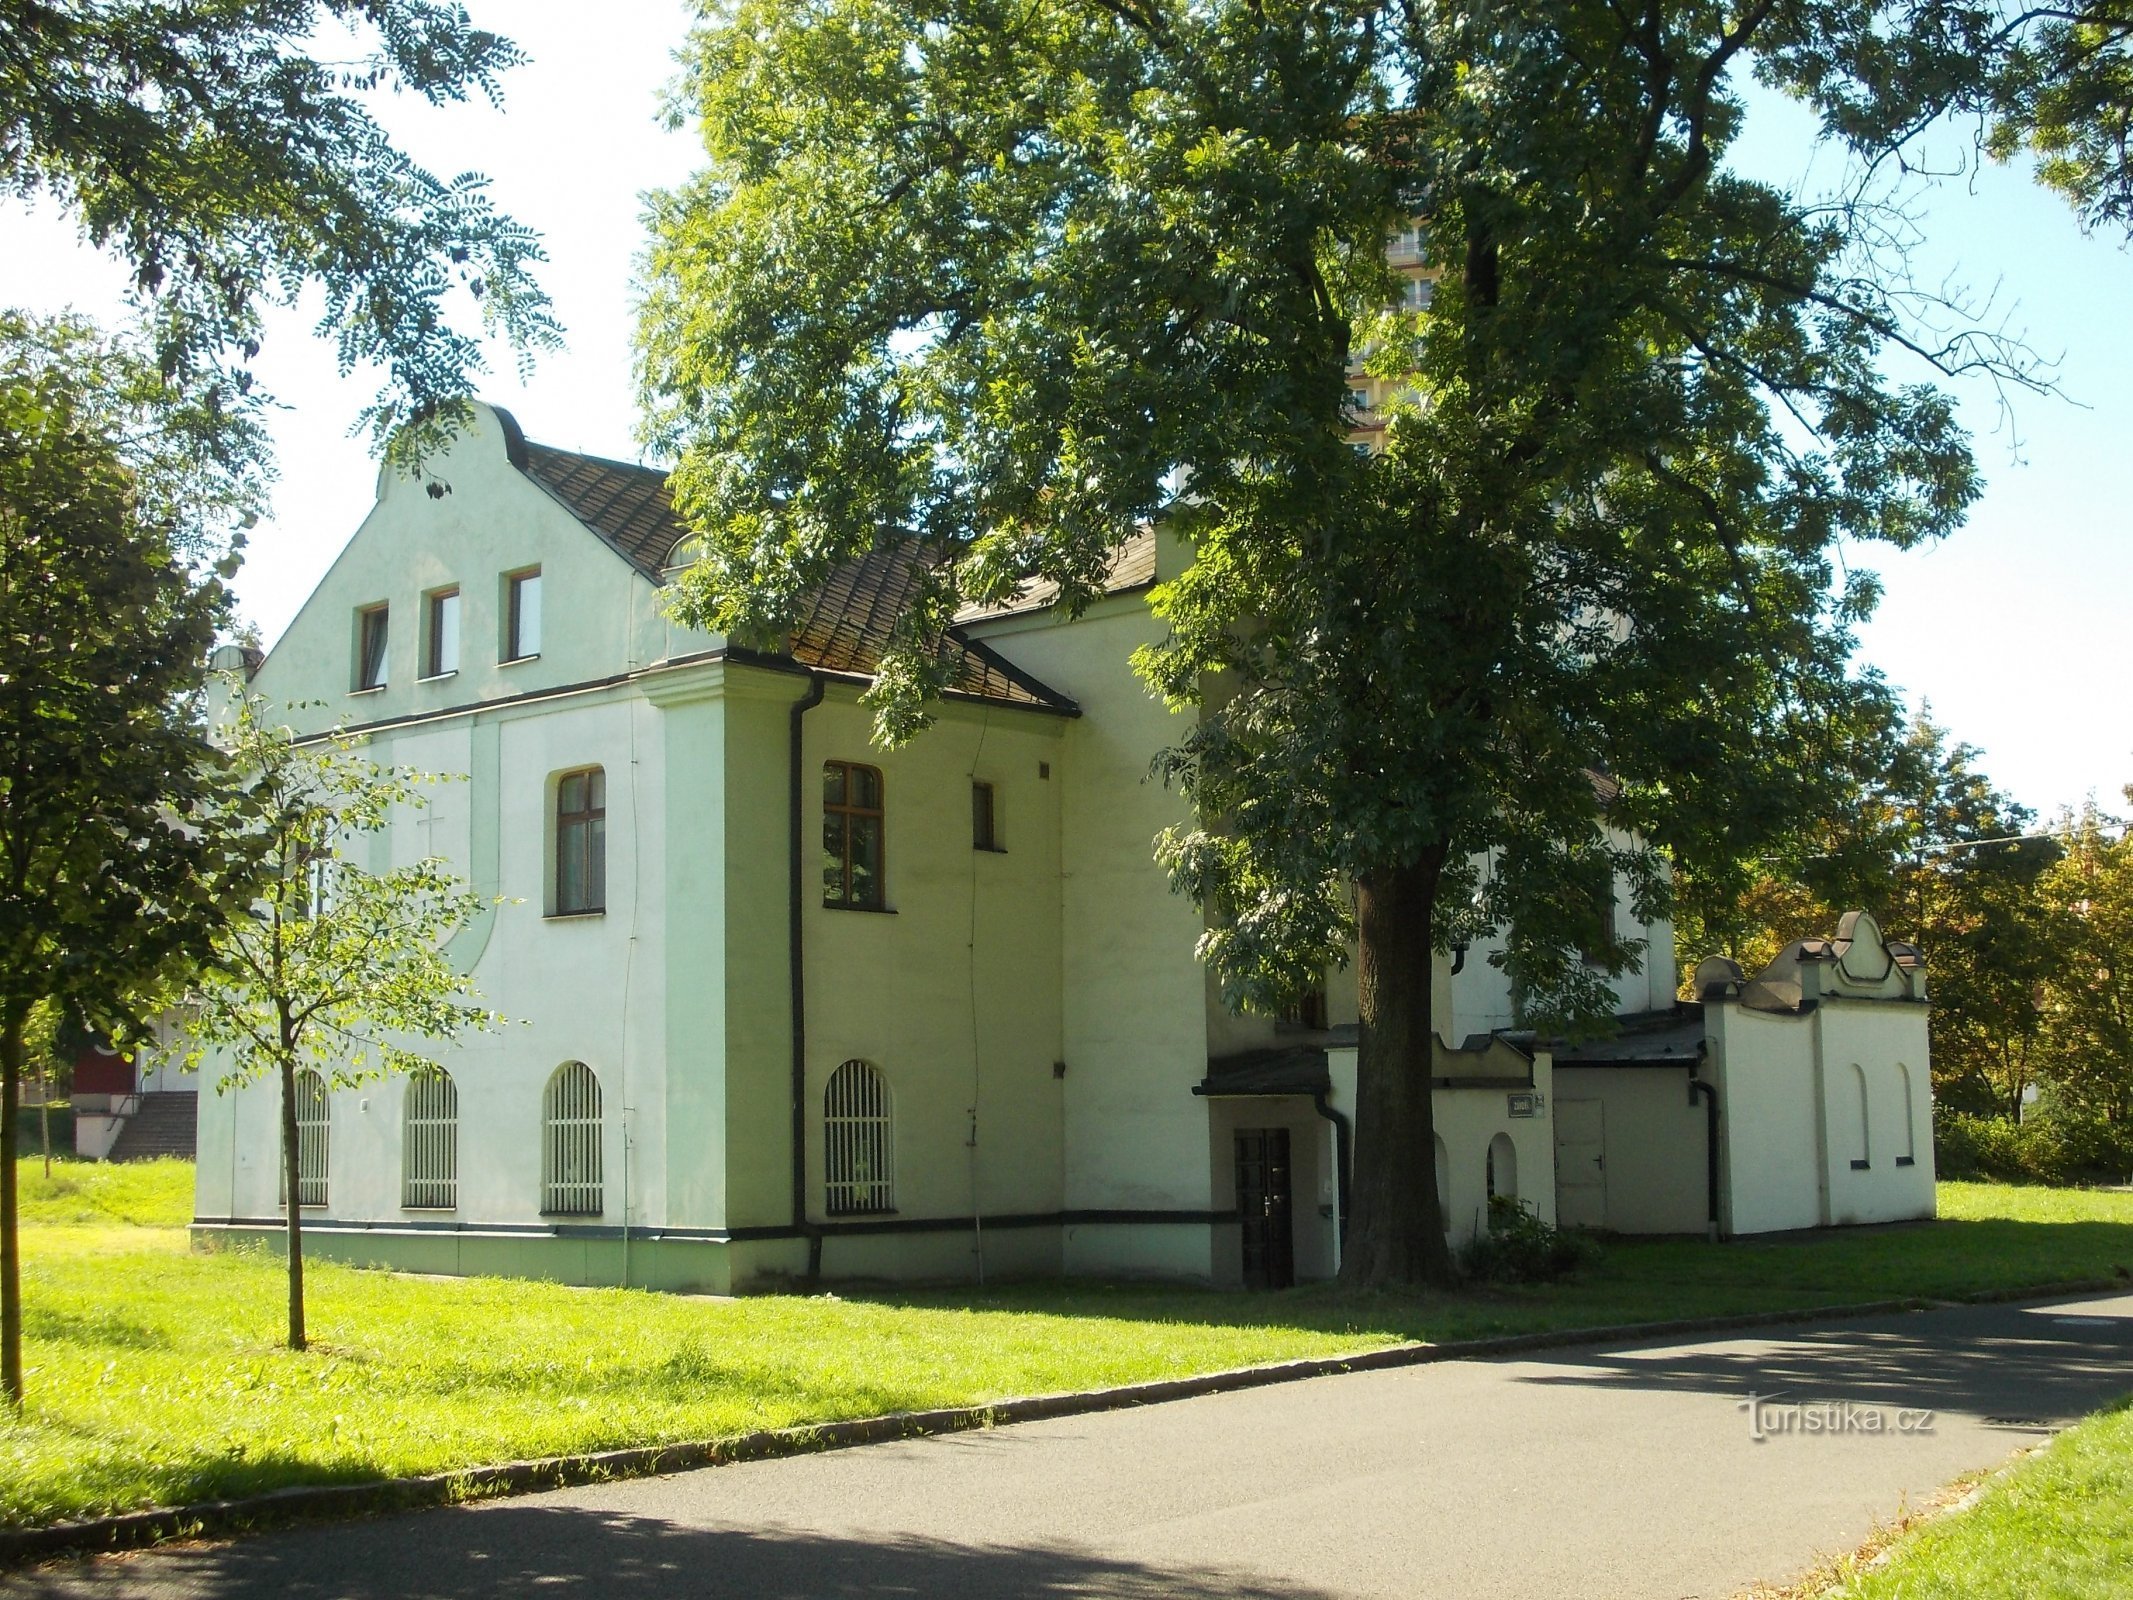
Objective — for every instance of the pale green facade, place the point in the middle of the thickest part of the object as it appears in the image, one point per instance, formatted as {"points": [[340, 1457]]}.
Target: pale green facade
{"points": [[1058, 1074]]}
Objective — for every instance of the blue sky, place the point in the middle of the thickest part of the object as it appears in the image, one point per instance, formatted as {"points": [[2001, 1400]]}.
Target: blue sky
{"points": [[2015, 629]]}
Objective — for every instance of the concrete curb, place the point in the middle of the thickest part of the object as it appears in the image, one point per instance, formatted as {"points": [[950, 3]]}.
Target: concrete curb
{"points": [[305, 1502]]}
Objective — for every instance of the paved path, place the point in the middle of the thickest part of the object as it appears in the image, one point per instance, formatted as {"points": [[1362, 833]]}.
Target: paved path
{"points": [[1589, 1473]]}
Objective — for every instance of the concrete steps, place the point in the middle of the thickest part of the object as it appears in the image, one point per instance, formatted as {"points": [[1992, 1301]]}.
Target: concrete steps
{"points": [[166, 1125]]}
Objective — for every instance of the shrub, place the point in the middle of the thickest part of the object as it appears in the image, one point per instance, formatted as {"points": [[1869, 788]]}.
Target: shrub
{"points": [[2053, 1146], [1518, 1247]]}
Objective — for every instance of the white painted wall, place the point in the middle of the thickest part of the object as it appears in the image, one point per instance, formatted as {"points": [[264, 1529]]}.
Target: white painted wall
{"points": [[1655, 1178]]}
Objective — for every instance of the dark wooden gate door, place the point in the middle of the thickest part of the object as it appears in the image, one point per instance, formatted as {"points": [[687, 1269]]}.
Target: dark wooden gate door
{"points": [[1264, 1205]]}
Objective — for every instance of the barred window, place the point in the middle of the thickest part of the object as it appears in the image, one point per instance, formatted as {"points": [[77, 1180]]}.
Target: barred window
{"points": [[313, 1131], [570, 1143], [852, 825], [859, 1144], [429, 1165]]}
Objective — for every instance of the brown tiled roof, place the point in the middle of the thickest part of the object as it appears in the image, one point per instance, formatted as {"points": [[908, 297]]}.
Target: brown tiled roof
{"points": [[848, 625], [849, 621], [627, 506], [1132, 566]]}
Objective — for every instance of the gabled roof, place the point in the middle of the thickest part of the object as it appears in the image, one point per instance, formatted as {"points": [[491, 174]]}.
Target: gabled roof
{"points": [[627, 506], [848, 623]]}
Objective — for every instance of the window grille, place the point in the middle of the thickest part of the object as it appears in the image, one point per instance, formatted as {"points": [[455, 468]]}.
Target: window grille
{"points": [[313, 1133], [581, 842], [859, 1149], [984, 818], [429, 1166], [852, 846], [570, 1143]]}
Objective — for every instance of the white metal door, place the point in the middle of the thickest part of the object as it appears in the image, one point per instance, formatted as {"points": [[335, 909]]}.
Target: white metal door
{"points": [[1580, 1164]]}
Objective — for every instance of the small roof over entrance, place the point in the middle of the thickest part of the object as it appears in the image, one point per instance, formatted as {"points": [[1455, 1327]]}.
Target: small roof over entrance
{"points": [[1285, 1069]]}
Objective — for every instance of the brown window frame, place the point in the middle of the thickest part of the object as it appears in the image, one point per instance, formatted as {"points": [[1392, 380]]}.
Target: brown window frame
{"points": [[382, 615], [985, 817], [514, 615], [433, 665], [879, 814], [567, 820]]}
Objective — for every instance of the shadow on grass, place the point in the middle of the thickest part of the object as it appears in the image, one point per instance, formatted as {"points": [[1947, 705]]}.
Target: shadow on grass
{"points": [[2044, 1364], [558, 1550], [1637, 1280]]}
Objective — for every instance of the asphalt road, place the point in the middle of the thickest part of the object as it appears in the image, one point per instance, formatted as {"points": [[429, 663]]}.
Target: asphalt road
{"points": [[1627, 1471]]}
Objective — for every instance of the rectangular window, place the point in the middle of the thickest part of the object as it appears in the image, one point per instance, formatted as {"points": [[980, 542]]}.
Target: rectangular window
{"points": [[1307, 1010], [442, 656], [1599, 917], [851, 836], [522, 615], [370, 646], [581, 843], [984, 819]]}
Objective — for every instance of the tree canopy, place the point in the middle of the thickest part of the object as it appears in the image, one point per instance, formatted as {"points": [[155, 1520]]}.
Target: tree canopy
{"points": [[1015, 280], [219, 153], [109, 882]]}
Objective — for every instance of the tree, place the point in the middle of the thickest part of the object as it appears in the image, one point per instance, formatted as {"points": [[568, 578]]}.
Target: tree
{"points": [[2089, 1004], [218, 153], [1918, 835], [107, 880], [332, 968], [2051, 81], [1018, 279]]}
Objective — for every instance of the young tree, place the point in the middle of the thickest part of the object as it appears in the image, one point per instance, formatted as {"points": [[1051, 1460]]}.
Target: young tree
{"points": [[1019, 278], [333, 968], [109, 880], [228, 160]]}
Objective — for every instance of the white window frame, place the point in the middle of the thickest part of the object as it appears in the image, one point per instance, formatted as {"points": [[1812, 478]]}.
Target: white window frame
{"points": [[429, 1143], [572, 1183], [314, 1141], [858, 1141]]}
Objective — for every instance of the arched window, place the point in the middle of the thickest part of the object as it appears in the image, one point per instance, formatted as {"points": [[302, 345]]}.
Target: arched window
{"points": [[570, 1143], [858, 1141], [1865, 1157], [1909, 1158], [313, 1133], [429, 1148], [1503, 1168], [1444, 1184]]}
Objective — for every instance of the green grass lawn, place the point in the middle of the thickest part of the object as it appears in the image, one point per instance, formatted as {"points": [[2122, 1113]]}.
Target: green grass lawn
{"points": [[155, 1375], [2057, 1527]]}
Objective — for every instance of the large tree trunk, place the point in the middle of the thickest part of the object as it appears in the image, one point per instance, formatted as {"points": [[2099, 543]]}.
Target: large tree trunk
{"points": [[292, 1176], [1396, 1231], [10, 1233]]}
